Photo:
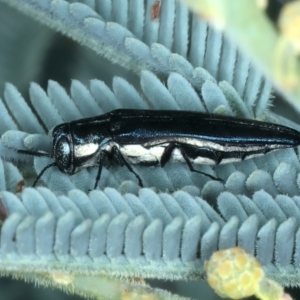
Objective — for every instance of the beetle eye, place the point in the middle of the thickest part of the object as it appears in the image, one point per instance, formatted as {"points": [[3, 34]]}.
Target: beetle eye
{"points": [[62, 154]]}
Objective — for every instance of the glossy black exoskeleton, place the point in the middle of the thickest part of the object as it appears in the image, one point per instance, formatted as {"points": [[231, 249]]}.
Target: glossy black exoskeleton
{"points": [[152, 137]]}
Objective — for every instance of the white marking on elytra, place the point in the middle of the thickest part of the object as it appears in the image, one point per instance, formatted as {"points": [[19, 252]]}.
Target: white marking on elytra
{"points": [[86, 149], [152, 154], [213, 146], [203, 161], [137, 153]]}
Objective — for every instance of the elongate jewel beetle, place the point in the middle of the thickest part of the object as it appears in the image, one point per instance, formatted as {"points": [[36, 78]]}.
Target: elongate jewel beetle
{"points": [[152, 137]]}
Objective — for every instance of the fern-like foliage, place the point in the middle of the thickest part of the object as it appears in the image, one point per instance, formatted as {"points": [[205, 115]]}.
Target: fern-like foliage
{"points": [[169, 228]]}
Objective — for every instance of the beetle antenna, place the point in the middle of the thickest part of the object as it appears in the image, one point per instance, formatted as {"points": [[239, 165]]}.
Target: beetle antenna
{"points": [[42, 172], [35, 153], [38, 154]]}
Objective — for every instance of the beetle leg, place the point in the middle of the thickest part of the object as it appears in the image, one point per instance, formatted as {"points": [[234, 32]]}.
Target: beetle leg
{"points": [[167, 154], [103, 154], [181, 147], [116, 152], [192, 169]]}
